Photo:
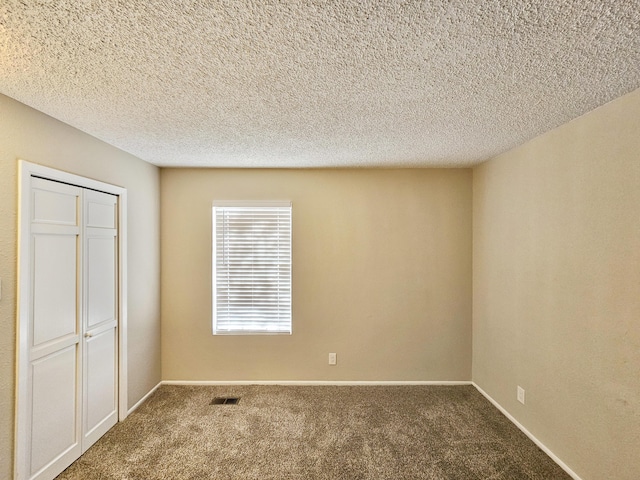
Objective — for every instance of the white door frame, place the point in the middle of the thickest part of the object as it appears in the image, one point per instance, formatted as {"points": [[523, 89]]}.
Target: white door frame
{"points": [[26, 171]]}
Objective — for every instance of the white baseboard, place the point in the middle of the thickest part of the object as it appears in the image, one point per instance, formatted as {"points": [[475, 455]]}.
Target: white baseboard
{"points": [[542, 446], [142, 400], [310, 382]]}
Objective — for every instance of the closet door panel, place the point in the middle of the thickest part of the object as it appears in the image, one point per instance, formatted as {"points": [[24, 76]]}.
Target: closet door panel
{"points": [[54, 287], [54, 347], [101, 278], [100, 321], [101, 392], [54, 431], [54, 203], [101, 213]]}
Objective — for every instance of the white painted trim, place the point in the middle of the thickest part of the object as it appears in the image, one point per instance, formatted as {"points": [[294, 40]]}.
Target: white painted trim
{"points": [[143, 399], [311, 382], [22, 326], [542, 446], [122, 308], [26, 170], [65, 177]]}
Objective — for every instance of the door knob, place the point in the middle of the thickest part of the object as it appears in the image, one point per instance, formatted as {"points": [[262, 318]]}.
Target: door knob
{"points": [[88, 335]]}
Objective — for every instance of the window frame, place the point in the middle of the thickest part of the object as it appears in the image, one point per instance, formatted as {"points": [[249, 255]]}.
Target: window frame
{"points": [[257, 204]]}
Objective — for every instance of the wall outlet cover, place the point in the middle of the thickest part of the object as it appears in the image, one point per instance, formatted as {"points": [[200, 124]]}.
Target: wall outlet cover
{"points": [[521, 394], [333, 359]]}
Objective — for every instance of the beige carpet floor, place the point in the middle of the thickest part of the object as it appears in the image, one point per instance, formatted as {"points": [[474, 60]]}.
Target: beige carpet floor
{"points": [[318, 432]]}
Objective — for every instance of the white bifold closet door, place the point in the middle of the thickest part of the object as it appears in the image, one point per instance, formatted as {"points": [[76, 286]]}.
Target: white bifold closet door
{"points": [[72, 388], [99, 316]]}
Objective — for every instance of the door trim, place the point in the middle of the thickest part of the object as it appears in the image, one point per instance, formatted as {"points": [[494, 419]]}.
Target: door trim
{"points": [[26, 170]]}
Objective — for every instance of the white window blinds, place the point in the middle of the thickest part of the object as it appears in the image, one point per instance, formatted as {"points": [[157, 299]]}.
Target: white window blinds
{"points": [[251, 267]]}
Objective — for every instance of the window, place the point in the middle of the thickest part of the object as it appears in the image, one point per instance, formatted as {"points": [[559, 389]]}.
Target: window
{"points": [[251, 267]]}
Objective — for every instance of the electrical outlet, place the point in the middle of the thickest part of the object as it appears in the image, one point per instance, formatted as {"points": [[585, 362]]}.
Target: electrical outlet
{"points": [[333, 359], [521, 394]]}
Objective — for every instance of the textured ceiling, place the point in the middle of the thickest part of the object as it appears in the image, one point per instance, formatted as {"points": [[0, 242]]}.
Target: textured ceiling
{"points": [[317, 83]]}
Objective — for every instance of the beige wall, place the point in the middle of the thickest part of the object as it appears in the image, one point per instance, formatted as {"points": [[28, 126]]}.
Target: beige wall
{"points": [[556, 288], [381, 276], [33, 136]]}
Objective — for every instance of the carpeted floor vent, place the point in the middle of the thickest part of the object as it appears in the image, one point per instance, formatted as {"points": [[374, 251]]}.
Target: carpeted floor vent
{"points": [[225, 401]]}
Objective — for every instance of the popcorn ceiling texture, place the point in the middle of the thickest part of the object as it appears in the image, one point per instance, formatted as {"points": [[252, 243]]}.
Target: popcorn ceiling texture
{"points": [[318, 83]]}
